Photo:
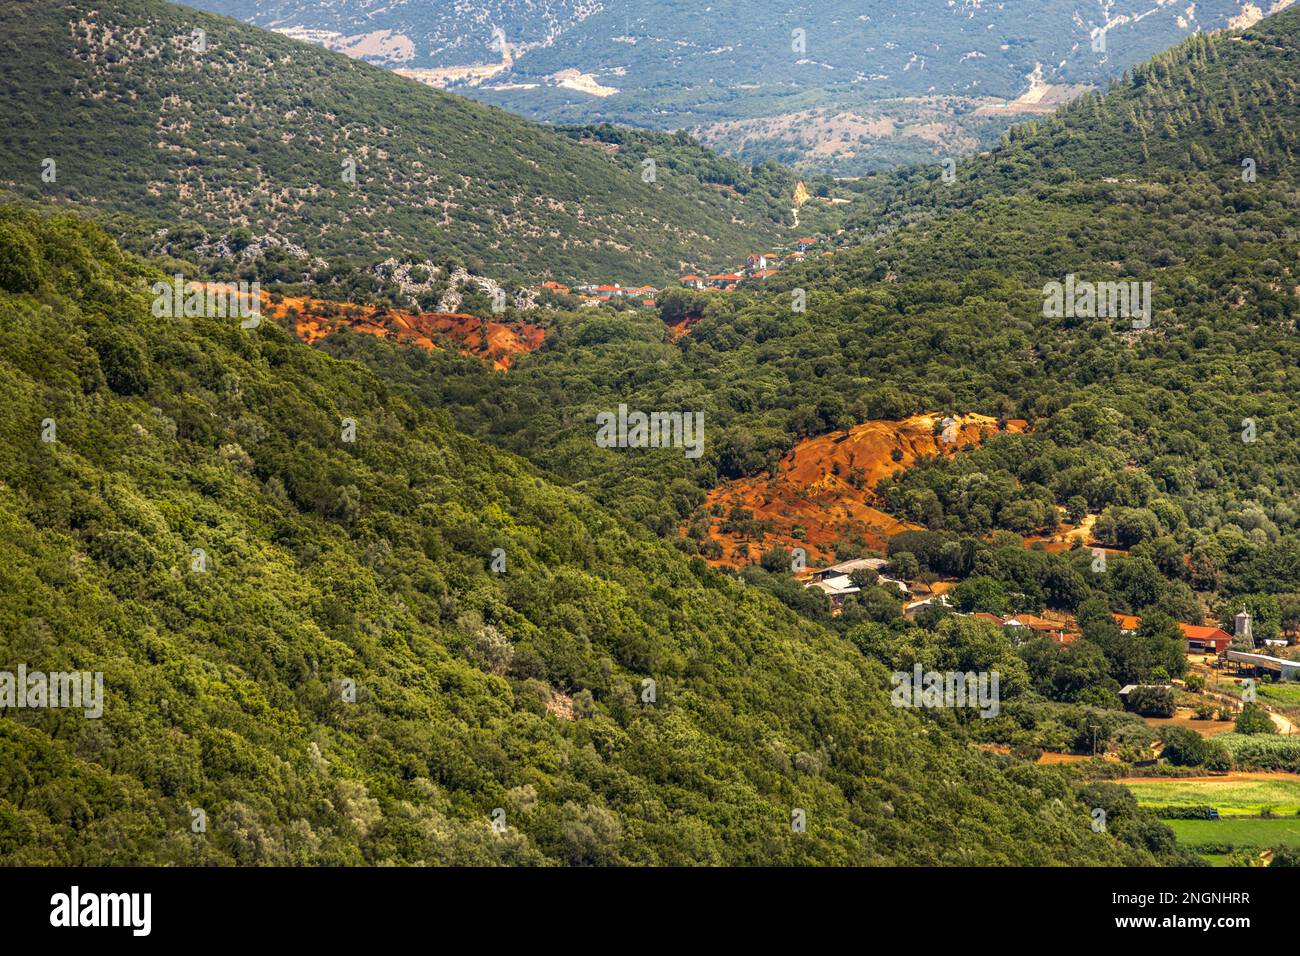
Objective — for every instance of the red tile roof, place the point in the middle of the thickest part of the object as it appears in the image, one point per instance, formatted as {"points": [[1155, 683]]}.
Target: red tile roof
{"points": [[1195, 632]]}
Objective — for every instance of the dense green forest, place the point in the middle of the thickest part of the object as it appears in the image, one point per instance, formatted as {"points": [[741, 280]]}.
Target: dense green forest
{"points": [[342, 678], [236, 159]]}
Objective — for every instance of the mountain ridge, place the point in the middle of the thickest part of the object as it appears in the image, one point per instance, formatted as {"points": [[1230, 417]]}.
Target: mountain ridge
{"points": [[731, 72], [261, 149]]}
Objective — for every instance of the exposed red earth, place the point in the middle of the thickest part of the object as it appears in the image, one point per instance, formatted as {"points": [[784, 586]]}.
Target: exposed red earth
{"points": [[497, 342], [823, 489], [681, 327]]}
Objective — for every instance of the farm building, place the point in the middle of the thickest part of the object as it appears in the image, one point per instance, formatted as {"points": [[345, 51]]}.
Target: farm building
{"points": [[1205, 640], [1200, 639], [1260, 664]]}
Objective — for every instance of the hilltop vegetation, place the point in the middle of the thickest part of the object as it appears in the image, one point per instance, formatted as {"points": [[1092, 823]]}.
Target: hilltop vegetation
{"points": [[263, 156], [1199, 110], [300, 627], [935, 317]]}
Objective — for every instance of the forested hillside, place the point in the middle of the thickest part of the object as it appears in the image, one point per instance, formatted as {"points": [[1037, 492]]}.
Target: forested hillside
{"points": [[947, 314], [1200, 109], [301, 636], [1177, 435], [260, 155]]}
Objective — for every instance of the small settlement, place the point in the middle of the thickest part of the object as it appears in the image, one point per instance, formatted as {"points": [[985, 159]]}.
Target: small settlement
{"points": [[757, 267], [838, 582]]}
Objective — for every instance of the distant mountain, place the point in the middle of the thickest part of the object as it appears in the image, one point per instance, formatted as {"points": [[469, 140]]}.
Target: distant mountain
{"points": [[223, 142], [847, 85]]}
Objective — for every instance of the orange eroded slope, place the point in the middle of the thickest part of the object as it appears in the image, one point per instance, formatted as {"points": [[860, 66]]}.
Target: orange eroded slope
{"points": [[317, 318], [825, 486]]}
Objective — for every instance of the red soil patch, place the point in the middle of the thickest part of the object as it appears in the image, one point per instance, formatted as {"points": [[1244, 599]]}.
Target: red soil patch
{"points": [[498, 342], [825, 486], [1049, 757], [681, 327], [1183, 718]]}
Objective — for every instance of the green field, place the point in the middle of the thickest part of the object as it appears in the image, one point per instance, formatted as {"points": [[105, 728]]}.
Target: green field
{"points": [[1284, 695], [1253, 833], [1232, 798]]}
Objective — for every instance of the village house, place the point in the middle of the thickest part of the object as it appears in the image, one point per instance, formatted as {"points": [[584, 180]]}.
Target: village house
{"points": [[836, 582], [803, 245], [761, 261], [1128, 623], [559, 288], [1205, 640], [836, 589], [845, 568], [692, 282], [1062, 632], [723, 280], [913, 608], [762, 274], [1200, 639]]}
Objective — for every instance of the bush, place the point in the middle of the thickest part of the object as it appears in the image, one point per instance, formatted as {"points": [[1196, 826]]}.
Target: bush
{"points": [[1152, 701], [1186, 748], [1254, 719], [123, 360], [20, 262]]}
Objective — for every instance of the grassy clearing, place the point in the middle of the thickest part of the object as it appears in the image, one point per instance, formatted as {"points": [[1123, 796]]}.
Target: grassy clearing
{"points": [[1254, 834], [1284, 695], [1232, 798]]}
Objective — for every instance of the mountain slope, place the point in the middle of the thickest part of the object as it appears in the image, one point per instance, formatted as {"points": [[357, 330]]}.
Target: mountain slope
{"points": [[940, 308], [1205, 107], [336, 676], [262, 151], [875, 82], [1170, 439]]}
